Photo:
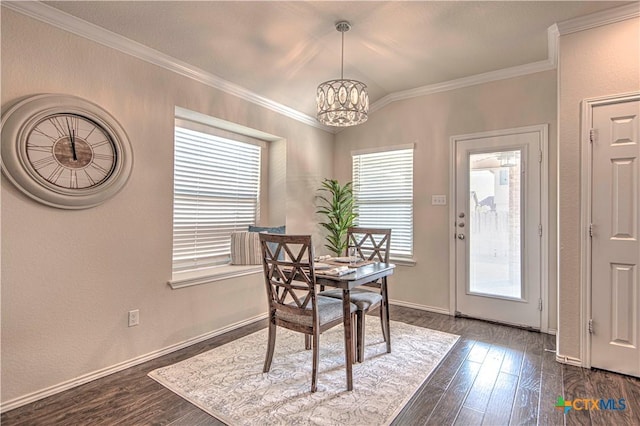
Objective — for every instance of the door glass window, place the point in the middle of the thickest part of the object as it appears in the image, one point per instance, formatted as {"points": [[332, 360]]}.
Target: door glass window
{"points": [[495, 225]]}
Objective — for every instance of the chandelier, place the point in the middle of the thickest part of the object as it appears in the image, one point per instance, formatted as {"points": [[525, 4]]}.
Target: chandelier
{"points": [[342, 103]]}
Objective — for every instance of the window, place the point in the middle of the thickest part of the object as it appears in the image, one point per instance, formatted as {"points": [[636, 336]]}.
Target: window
{"points": [[383, 193], [216, 192]]}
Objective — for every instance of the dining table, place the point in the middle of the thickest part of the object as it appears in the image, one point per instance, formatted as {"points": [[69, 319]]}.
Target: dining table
{"points": [[359, 274]]}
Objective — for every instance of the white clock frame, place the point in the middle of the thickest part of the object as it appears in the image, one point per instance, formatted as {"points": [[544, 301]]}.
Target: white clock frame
{"points": [[17, 123]]}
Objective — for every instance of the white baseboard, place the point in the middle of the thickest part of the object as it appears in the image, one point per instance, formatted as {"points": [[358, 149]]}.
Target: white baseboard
{"points": [[443, 311], [420, 307], [568, 360], [86, 378]]}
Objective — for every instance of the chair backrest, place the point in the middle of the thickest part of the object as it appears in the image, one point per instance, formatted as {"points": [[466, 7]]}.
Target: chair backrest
{"points": [[371, 243], [289, 276]]}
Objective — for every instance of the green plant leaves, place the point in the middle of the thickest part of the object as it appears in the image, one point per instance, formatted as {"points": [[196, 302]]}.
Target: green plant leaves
{"points": [[337, 208]]}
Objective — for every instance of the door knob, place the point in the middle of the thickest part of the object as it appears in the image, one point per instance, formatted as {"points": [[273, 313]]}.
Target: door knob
{"points": [[461, 236]]}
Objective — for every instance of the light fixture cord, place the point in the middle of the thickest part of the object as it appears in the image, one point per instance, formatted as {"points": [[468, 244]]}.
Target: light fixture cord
{"points": [[342, 59]]}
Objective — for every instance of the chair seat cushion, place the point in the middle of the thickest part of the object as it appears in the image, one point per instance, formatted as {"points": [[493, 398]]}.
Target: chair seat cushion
{"points": [[363, 299], [329, 309]]}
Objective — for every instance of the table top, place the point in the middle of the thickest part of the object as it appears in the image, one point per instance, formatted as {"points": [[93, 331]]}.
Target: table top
{"points": [[361, 275]]}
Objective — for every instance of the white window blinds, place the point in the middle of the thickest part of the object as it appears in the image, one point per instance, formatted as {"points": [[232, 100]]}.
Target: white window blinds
{"points": [[216, 192], [383, 193]]}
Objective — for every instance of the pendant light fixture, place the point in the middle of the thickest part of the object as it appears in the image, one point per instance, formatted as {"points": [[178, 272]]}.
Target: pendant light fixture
{"points": [[342, 103]]}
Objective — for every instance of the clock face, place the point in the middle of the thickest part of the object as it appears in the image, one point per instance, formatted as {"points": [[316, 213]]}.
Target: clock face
{"points": [[64, 151], [71, 151]]}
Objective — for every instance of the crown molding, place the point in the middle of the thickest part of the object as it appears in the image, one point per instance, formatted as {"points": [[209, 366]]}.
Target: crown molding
{"points": [[582, 23], [549, 64], [598, 19], [72, 24], [553, 38], [487, 77]]}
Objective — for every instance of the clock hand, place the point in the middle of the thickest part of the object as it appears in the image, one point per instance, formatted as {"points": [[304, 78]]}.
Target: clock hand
{"points": [[72, 138], [73, 144]]}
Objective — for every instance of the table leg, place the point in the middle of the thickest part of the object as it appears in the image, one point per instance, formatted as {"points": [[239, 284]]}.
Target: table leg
{"points": [[348, 336], [385, 309]]}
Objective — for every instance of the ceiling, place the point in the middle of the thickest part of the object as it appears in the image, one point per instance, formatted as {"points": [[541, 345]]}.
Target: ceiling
{"points": [[282, 50]]}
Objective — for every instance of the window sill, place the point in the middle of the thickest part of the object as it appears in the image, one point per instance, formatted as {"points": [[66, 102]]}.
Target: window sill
{"points": [[219, 273], [403, 261]]}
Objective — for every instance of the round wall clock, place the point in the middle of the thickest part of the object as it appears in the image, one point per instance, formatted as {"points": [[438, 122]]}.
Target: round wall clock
{"points": [[64, 151]]}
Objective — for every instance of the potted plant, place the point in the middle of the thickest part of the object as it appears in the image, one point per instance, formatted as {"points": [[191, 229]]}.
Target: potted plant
{"points": [[337, 209]]}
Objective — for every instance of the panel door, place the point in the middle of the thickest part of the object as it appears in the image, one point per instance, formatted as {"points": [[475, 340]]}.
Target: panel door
{"points": [[497, 207], [614, 244]]}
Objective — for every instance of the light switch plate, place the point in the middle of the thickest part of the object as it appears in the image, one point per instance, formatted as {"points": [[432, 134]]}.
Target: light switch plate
{"points": [[438, 200]]}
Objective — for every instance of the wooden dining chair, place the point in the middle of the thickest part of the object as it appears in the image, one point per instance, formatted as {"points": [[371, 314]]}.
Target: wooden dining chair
{"points": [[371, 244], [293, 301]]}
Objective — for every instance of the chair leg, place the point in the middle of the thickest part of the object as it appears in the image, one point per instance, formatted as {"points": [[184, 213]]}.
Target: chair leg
{"points": [[360, 319], [270, 347], [314, 372], [383, 325], [307, 341]]}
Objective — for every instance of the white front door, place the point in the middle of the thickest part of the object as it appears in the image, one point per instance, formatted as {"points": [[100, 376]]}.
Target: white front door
{"points": [[615, 250], [498, 225]]}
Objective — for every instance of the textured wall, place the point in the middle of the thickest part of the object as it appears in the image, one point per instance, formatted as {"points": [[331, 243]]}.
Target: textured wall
{"points": [[69, 277], [429, 122], [597, 62]]}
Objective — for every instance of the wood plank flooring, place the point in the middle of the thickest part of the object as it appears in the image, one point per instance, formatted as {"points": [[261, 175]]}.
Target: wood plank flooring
{"points": [[494, 375]]}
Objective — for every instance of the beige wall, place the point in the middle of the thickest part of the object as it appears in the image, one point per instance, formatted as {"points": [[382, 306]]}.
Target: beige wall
{"points": [[429, 122], [69, 277], [597, 62]]}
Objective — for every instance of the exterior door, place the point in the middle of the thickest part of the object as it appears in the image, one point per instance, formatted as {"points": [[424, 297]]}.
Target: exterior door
{"points": [[615, 250], [498, 225]]}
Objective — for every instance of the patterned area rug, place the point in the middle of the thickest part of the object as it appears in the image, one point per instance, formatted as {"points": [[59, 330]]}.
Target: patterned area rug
{"points": [[227, 382]]}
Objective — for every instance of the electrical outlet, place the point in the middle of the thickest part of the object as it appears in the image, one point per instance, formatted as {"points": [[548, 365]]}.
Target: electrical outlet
{"points": [[134, 318], [438, 200]]}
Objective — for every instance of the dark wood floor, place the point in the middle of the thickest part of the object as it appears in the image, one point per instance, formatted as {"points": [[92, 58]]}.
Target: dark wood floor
{"points": [[494, 375]]}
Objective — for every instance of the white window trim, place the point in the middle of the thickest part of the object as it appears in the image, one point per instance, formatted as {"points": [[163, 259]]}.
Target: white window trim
{"points": [[213, 274], [218, 123], [403, 261], [198, 121], [383, 149]]}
